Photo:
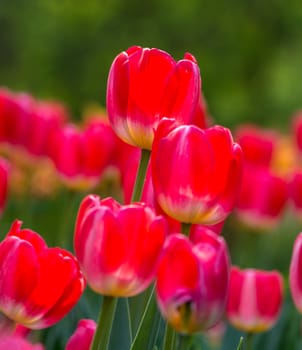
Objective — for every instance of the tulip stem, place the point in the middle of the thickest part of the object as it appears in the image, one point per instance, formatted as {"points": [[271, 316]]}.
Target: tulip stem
{"points": [[185, 228], [102, 335], [184, 342], [249, 341], [169, 338], [140, 176]]}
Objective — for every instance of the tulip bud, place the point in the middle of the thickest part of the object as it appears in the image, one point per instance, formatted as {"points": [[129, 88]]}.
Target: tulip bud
{"points": [[192, 281], [255, 299], [196, 173], [118, 247], [145, 85], [295, 273], [83, 336]]}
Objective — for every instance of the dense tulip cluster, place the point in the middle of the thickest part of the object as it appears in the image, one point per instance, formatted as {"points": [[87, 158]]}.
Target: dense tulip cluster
{"points": [[180, 178]]}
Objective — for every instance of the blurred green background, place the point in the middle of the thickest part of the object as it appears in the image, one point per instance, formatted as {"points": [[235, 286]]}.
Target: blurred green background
{"points": [[249, 52]]}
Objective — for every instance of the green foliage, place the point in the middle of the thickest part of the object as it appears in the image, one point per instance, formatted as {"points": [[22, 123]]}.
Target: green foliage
{"points": [[249, 52]]}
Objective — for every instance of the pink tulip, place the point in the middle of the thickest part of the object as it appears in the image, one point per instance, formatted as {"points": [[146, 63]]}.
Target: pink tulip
{"points": [[295, 192], [39, 285], [196, 173], [15, 342], [192, 281], [263, 197], [255, 299], [83, 336], [295, 273], [145, 85], [118, 247]]}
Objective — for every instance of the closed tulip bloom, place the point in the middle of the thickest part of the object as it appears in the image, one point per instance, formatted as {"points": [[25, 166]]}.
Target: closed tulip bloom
{"points": [[39, 285], [258, 145], [16, 342], [118, 247], [144, 85], [255, 299], [295, 192], [295, 273], [196, 173], [262, 199], [83, 335], [192, 281]]}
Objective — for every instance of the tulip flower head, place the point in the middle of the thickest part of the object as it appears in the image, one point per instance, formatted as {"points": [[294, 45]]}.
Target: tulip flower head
{"points": [[295, 273], [255, 299], [145, 85], [257, 144], [192, 281], [262, 199], [39, 285], [196, 173], [83, 335], [16, 342], [118, 247]]}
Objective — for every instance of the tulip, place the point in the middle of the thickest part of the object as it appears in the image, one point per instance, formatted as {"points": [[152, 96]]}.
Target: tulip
{"points": [[4, 177], [39, 285], [46, 119], [295, 192], [83, 335], [16, 342], [196, 173], [118, 247], [295, 280], [14, 117], [81, 156], [257, 144], [255, 299], [144, 85], [192, 281], [262, 199]]}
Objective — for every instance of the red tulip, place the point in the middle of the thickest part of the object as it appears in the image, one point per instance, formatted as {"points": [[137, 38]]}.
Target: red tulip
{"points": [[46, 119], [255, 299], [83, 336], [144, 85], [15, 113], [295, 192], [39, 285], [118, 247], [295, 273], [192, 281], [262, 198], [81, 156], [4, 176], [196, 173], [257, 144]]}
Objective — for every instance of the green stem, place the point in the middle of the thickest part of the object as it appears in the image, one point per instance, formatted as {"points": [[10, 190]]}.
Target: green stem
{"points": [[249, 341], [104, 326], [142, 336], [239, 347], [140, 176], [184, 342], [169, 338], [129, 319], [185, 228]]}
